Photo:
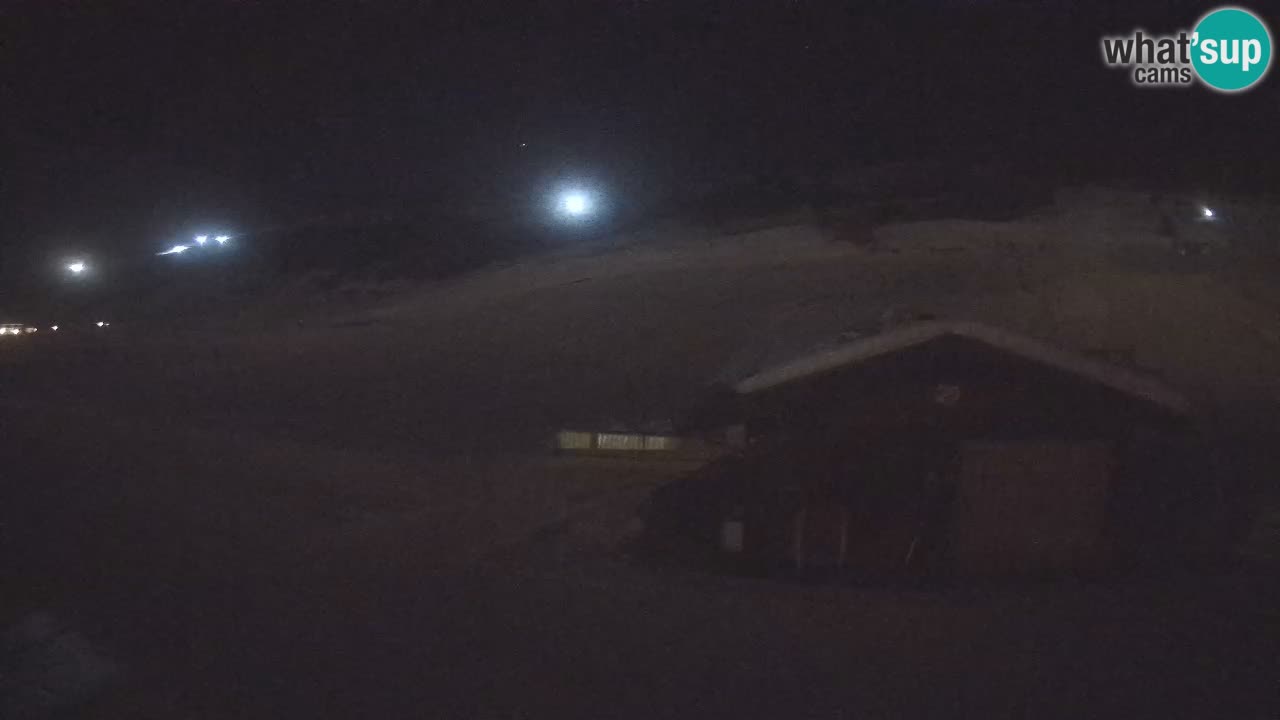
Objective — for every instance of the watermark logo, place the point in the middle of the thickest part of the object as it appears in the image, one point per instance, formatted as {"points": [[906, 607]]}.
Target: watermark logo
{"points": [[1229, 51], [1234, 49]]}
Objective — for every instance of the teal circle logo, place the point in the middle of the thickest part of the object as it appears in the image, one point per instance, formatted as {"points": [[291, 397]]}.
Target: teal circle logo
{"points": [[1231, 49]]}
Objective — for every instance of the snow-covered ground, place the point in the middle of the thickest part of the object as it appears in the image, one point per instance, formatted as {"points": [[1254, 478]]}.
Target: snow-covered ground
{"points": [[632, 333]]}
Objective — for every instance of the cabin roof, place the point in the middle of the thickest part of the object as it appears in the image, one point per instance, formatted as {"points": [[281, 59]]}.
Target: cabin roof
{"points": [[1124, 380]]}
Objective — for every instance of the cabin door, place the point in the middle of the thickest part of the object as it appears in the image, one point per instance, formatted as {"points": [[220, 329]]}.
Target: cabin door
{"points": [[1030, 507]]}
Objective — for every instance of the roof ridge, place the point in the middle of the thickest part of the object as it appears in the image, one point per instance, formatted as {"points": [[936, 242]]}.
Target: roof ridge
{"points": [[1122, 379]]}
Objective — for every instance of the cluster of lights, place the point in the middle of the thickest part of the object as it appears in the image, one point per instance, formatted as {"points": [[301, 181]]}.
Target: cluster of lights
{"points": [[574, 204], [24, 330], [77, 267], [200, 241]]}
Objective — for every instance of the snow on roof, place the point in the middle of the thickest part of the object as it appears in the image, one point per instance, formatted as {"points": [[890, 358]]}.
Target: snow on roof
{"points": [[1118, 378]]}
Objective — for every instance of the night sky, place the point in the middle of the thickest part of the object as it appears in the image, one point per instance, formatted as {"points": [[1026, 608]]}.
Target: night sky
{"points": [[126, 122]]}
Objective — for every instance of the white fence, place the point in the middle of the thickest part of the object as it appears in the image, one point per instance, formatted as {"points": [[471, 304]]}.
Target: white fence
{"points": [[574, 440]]}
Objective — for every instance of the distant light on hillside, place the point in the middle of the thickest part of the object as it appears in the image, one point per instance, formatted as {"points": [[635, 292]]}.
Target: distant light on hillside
{"points": [[575, 203]]}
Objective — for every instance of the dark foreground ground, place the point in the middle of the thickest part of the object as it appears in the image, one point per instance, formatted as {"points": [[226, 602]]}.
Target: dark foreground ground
{"points": [[228, 578]]}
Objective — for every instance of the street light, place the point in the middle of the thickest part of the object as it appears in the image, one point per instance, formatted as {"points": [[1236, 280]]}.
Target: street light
{"points": [[575, 203]]}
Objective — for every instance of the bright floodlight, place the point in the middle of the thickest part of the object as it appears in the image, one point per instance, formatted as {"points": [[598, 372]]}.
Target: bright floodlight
{"points": [[202, 239], [222, 239], [175, 250], [76, 267], [1208, 212], [575, 203]]}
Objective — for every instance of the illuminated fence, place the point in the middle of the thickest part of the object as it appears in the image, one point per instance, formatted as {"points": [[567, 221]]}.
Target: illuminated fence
{"points": [[609, 442]]}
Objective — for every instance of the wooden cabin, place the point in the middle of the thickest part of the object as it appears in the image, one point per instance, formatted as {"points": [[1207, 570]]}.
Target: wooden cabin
{"points": [[938, 447]]}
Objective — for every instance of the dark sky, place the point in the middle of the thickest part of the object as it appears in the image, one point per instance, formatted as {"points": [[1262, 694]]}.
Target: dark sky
{"points": [[124, 122]]}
